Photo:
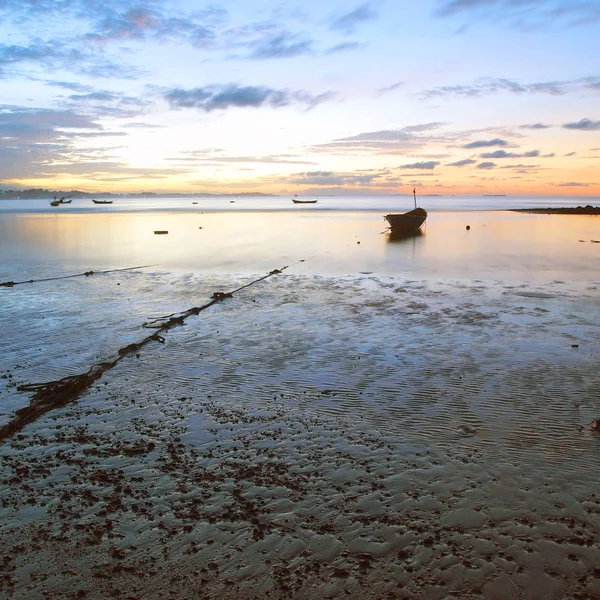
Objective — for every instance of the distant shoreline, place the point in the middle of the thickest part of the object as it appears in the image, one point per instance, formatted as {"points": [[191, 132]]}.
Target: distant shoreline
{"points": [[579, 210]]}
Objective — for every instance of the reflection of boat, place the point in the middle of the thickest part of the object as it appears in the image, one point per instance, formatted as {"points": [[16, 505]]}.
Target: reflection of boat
{"points": [[102, 201], [402, 237], [295, 201], [408, 222]]}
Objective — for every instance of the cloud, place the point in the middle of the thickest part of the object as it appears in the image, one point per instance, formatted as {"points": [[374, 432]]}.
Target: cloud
{"points": [[572, 184], [215, 157], [348, 23], [329, 178], [462, 163], [584, 125], [52, 55], [220, 97], [281, 46], [504, 154], [488, 85], [347, 47], [570, 154], [390, 88], [486, 165], [34, 140], [101, 103], [535, 126], [387, 141], [430, 164], [520, 166], [486, 143], [523, 13]]}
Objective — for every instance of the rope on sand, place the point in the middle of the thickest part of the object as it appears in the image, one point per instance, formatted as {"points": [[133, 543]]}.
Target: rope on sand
{"points": [[86, 274], [58, 393]]}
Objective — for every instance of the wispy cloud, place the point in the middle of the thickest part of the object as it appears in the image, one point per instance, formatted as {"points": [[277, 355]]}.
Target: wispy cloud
{"points": [[348, 23], [583, 125], [34, 140], [430, 164], [504, 154], [486, 165], [281, 46], [216, 157], [345, 47], [462, 163], [56, 54], [535, 126], [486, 143], [520, 166], [329, 178], [390, 88], [572, 184], [523, 13], [220, 97], [487, 85], [387, 141]]}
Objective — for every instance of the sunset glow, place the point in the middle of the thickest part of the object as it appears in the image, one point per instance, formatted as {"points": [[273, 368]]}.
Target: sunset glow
{"points": [[453, 97]]}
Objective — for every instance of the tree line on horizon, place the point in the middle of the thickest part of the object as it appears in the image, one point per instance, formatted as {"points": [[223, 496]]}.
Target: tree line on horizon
{"points": [[44, 194]]}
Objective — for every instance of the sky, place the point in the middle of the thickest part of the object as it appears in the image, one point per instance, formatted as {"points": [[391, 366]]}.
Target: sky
{"points": [[464, 97]]}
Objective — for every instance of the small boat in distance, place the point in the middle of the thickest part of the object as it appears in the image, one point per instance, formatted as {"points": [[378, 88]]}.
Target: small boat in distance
{"points": [[408, 222], [62, 200], [296, 201], [102, 201]]}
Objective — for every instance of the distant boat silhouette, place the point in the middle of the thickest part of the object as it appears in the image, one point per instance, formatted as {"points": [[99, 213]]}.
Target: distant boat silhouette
{"points": [[102, 201], [62, 200]]}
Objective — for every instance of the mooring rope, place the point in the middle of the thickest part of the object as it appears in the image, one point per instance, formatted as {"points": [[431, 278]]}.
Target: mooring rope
{"points": [[58, 393], [86, 274]]}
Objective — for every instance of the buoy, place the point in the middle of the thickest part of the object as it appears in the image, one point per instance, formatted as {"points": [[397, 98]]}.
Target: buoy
{"points": [[468, 227]]}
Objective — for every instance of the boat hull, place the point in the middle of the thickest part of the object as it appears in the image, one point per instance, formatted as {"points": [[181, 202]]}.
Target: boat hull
{"points": [[304, 201], [409, 222]]}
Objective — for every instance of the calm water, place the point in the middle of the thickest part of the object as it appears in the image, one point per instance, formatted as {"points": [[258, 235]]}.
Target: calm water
{"points": [[336, 236], [383, 204]]}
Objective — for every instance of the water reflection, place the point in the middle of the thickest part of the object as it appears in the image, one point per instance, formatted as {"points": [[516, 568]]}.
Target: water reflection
{"points": [[499, 245], [404, 237]]}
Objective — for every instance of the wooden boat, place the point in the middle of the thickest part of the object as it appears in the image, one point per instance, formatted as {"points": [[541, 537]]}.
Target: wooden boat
{"points": [[408, 222], [295, 201], [62, 200], [102, 201]]}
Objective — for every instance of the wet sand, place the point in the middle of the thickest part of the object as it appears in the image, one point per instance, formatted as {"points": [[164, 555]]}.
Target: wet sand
{"points": [[312, 437]]}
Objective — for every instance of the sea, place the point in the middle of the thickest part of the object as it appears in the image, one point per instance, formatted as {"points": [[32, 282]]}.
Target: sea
{"points": [[337, 235]]}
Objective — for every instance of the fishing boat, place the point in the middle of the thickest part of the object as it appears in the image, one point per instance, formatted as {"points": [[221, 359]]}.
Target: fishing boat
{"points": [[296, 201], [408, 222], [102, 201], [62, 200]]}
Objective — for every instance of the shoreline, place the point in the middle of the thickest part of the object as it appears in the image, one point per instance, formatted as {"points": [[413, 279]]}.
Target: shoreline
{"points": [[578, 210]]}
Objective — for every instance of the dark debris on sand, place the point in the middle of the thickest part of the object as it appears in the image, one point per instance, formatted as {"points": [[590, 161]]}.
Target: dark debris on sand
{"points": [[271, 505]]}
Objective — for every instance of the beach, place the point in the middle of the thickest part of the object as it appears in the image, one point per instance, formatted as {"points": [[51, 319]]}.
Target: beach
{"points": [[374, 419]]}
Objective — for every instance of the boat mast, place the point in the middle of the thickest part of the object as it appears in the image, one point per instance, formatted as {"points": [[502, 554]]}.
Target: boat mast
{"points": [[415, 196]]}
